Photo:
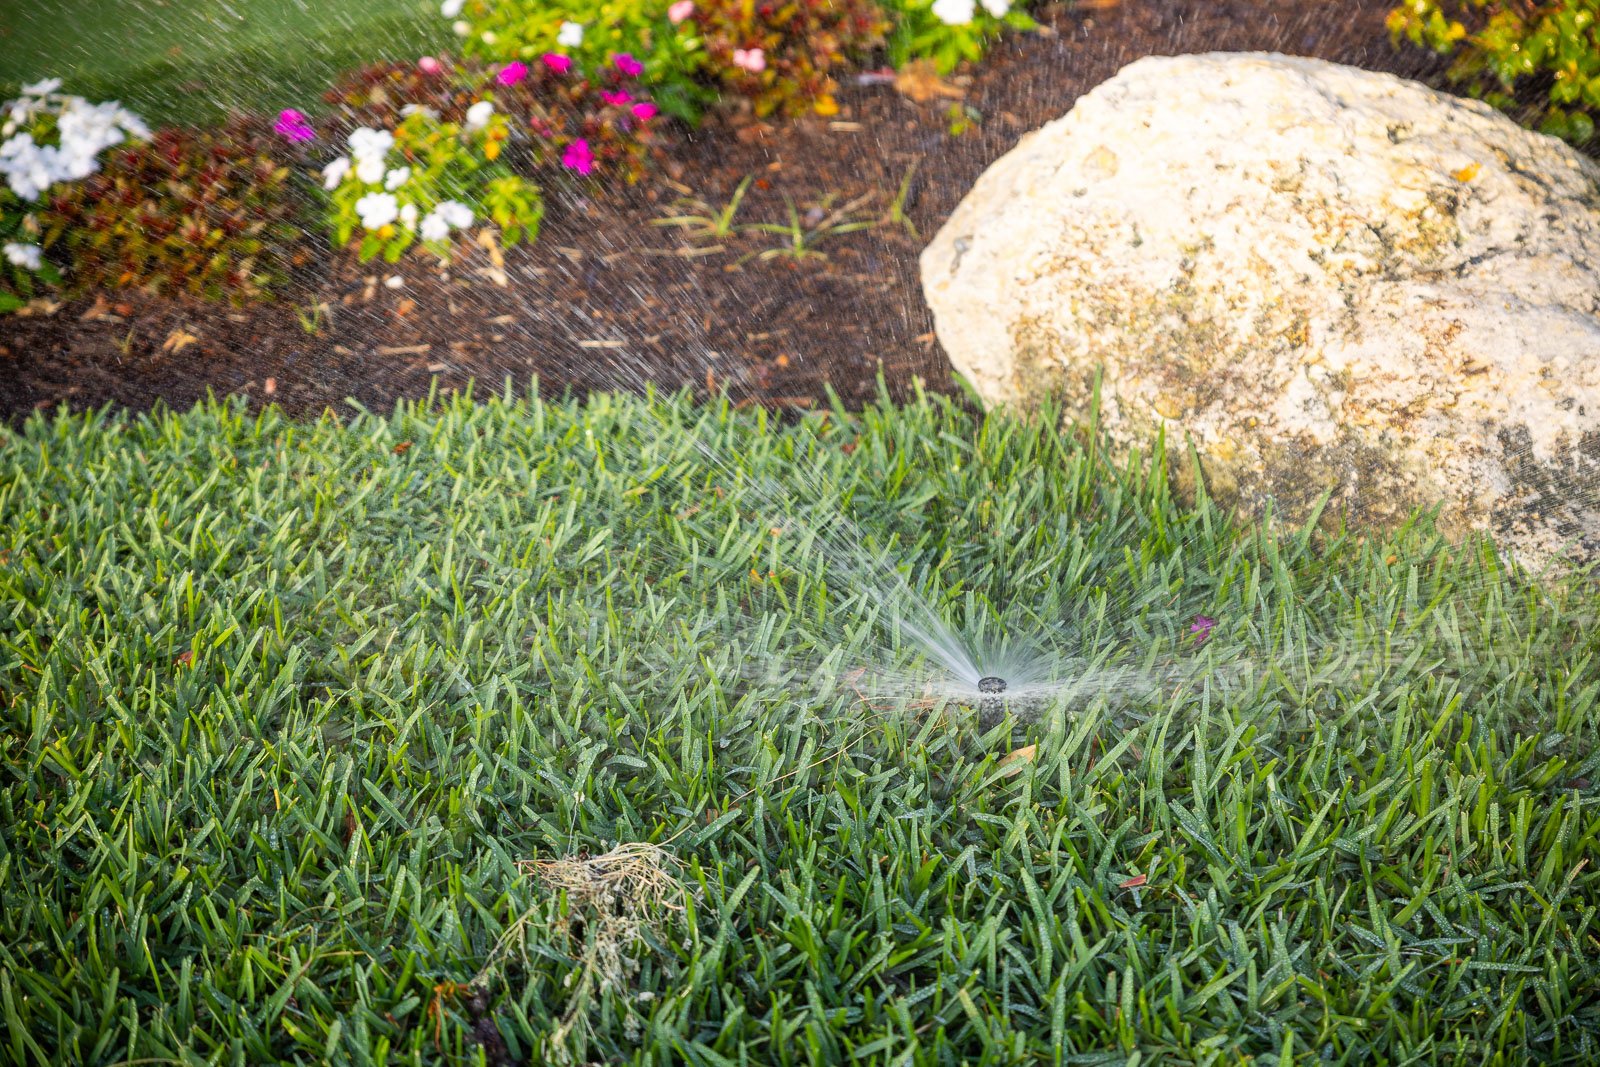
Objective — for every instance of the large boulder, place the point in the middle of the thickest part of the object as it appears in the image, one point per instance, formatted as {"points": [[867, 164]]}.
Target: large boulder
{"points": [[1323, 277]]}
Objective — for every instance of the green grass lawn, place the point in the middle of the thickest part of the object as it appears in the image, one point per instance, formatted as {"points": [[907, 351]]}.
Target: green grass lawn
{"points": [[294, 713], [191, 60]]}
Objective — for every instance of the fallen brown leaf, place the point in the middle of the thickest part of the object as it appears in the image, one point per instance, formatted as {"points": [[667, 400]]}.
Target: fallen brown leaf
{"points": [[1013, 762], [1133, 883], [753, 133], [486, 239], [184, 660], [920, 81], [101, 310], [178, 340], [402, 448]]}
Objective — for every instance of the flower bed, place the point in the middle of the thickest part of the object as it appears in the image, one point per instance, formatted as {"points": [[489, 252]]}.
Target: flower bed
{"points": [[547, 90]]}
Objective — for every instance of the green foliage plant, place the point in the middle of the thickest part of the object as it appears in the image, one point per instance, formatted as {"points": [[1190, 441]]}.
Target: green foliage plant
{"points": [[591, 35], [425, 181], [1538, 59], [950, 33]]}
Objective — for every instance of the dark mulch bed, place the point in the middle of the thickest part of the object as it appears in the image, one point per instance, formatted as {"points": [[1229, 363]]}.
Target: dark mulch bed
{"points": [[606, 299]]}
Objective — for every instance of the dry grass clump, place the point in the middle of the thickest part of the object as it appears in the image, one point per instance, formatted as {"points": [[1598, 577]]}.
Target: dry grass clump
{"points": [[613, 901]]}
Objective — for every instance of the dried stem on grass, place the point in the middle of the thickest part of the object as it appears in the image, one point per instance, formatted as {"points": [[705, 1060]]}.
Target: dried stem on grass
{"points": [[613, 901]]}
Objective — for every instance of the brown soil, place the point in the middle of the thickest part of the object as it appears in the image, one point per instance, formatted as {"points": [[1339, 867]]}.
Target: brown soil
{"points": [[607, 299]]}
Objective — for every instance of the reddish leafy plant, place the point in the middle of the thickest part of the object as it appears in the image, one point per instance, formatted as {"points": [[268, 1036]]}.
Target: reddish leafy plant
{"points": [[206, 211], [781, 55]]}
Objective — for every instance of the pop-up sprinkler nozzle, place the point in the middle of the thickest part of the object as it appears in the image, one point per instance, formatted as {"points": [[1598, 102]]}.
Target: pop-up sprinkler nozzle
{"points": [[991, 708]]}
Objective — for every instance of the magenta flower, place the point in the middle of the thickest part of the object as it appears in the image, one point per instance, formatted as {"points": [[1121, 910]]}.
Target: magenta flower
{"points": [[752, 59], [557, 62], [680, 11], [293, 126], [1202, 628], [578, 157], [627, 65], [644, 111], [430, 66], [614, 99], [512, 72]]}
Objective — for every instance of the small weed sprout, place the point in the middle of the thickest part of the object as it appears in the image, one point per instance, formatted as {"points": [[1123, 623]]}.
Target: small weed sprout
{"points": [[313, 317], [711, 224], [896, 215], [802, 240]]}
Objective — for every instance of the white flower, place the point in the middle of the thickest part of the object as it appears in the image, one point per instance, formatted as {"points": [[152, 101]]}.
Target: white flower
{"points": [[367, 142], [29, 256], [478, 114], [370, 170], [451, 8], [461, 27], [489, 37], [408, 216], [29, 168], [394, 281], [419, 109], [335, 172], [434, 228], [954, 12], [570, 35], [454, 213], [377, 210], [42, 88], [132, 124], [396, 178], [997, 8], [83, 131]]}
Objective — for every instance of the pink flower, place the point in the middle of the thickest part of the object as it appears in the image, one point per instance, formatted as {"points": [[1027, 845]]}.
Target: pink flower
{"points": [[680, 11], [752, 59], [1202, 627], [627, 65], [645, 111], [578, 157], [512, 72], [557, 62], [616, 99], [429, 65], [293, 126]]}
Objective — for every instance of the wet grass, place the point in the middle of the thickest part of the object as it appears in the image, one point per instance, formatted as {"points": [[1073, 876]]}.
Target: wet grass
{"points": [[323, 742], [193, 60]]}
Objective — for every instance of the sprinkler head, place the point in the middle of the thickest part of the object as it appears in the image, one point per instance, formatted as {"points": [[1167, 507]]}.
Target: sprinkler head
{"points": [[991, 709]]}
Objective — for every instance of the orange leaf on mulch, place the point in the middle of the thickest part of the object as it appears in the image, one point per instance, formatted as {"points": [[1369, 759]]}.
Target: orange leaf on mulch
{"points": [[178, 340]]}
